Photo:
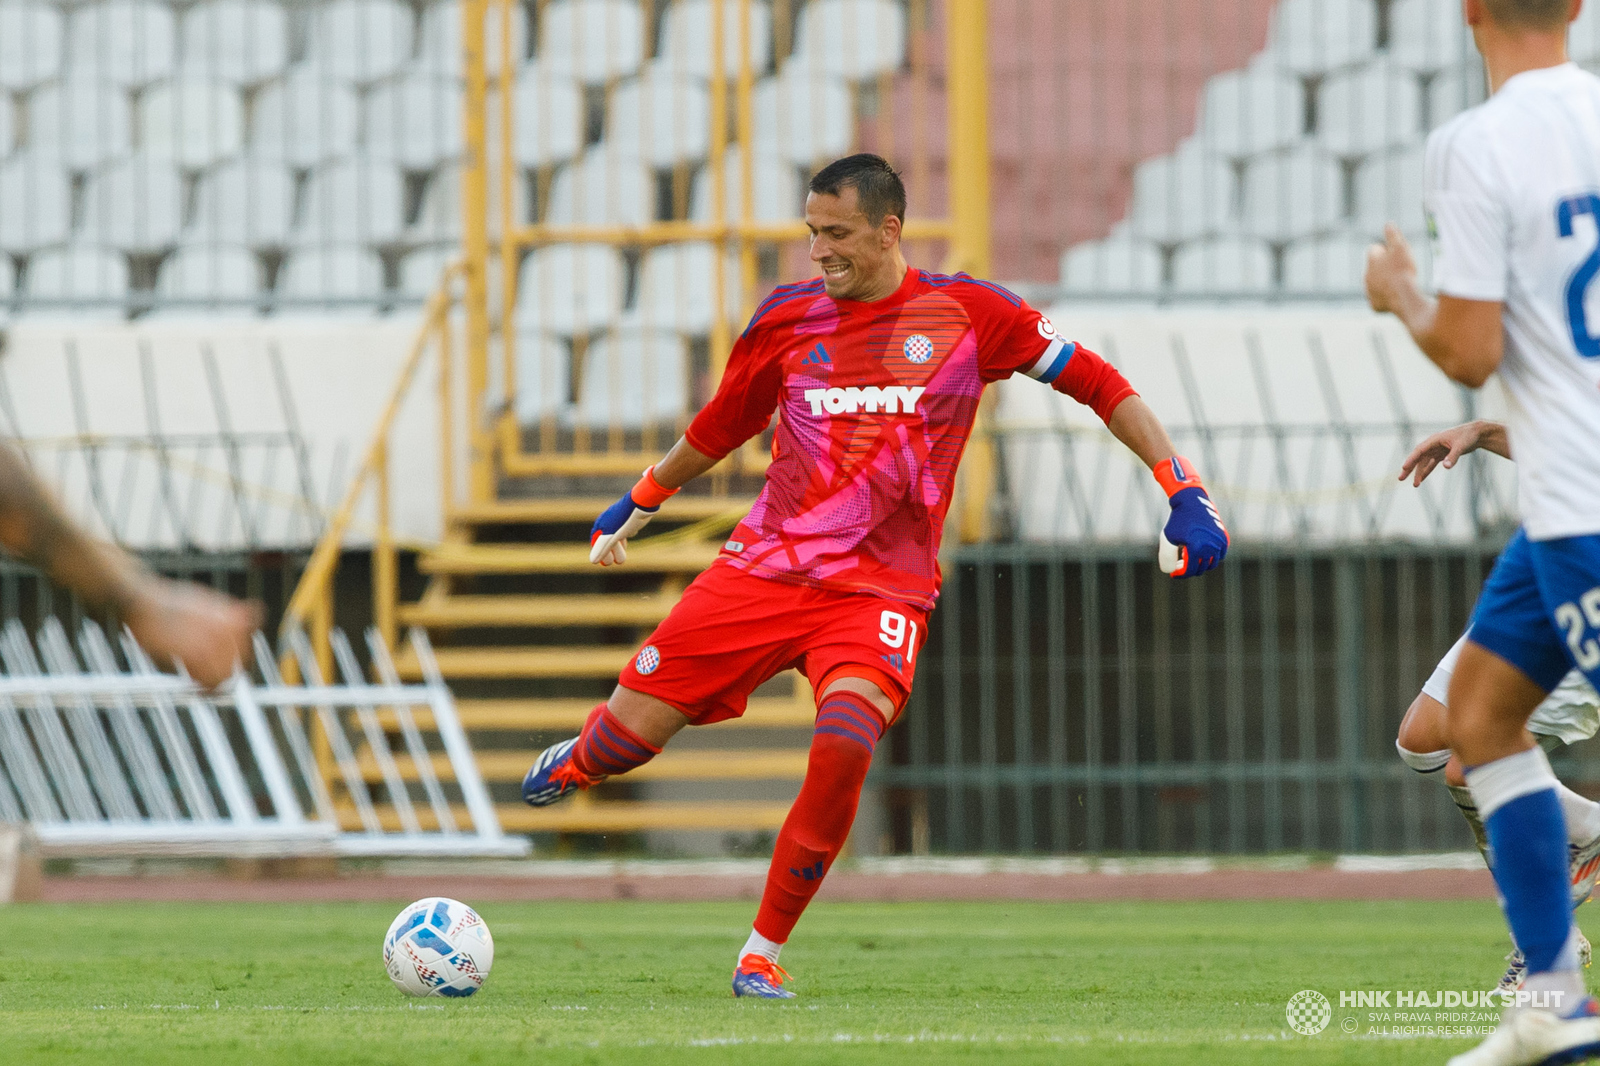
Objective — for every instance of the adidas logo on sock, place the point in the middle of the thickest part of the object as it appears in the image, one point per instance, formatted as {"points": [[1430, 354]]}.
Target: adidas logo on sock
{"points": [[810, 873]]}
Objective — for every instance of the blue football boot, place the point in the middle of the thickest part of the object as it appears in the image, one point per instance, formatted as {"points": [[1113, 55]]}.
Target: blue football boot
{"points": [[759, 976], [554, 777]]}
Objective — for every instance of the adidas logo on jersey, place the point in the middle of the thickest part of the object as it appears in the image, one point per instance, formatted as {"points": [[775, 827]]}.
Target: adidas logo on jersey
{"points": [[818, 357], [894, 400]]}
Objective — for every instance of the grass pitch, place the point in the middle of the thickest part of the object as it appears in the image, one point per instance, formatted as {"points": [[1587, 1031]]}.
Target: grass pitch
{"points": [[1145, 983]]}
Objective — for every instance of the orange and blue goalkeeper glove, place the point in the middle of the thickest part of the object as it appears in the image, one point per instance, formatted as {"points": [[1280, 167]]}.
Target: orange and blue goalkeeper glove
{"points": [[1194, 540], [608, 540]]}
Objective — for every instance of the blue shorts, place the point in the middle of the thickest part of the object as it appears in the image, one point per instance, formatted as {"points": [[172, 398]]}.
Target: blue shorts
{"points": [[1540, 608]]}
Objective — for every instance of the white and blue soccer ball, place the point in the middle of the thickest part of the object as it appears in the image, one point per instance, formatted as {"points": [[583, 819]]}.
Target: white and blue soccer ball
{"points": [[438, 947]]}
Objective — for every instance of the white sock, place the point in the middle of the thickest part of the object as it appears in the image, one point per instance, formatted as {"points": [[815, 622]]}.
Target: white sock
{"points": [[760, 945], [1582, 814]]}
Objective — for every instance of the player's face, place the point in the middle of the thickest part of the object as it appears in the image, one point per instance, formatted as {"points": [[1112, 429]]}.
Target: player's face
{"points": [[857, 258]]}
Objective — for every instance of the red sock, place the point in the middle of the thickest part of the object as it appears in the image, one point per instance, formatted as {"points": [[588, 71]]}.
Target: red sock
{"points": [[841, 753], [607, 747]]}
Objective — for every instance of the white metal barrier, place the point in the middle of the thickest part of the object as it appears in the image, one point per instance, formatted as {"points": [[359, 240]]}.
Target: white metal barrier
{"points": [[103, 758]]}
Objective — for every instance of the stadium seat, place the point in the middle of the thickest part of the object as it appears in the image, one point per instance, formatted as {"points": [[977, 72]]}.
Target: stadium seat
{"points": [[853, 39], [303, 120], [1293, 195], [1455, 89], [1118, 264], [1368, 109], [334, 279], [30, 43], [549, 117], [1428, 35], [136, 204], [675, 288], [660, 118], [414, 121], [1315, 36], [79, 121], [440, 47], [422, 268], [686, 37], [196, 275], [360, 41], [570, 288], [353, 202], [8, 282], [1235, 265], [8, 126], [246, 203], [779, 193], [1333, 265], [245, 42], [604, 188], [128, 43], [77, 274], [1389, 189], [1247, 112], [1182, 196], [634, 378], [544, 376], [1583, 37], [802, 118], [439, 220], [44, 185], [193, 120], [595, 41]]}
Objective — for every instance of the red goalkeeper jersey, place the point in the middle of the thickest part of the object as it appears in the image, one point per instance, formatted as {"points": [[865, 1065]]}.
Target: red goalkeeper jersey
{"points": [[875, 403]]}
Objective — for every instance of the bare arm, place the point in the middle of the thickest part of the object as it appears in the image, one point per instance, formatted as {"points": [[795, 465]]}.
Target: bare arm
{"points": [[1446, 447], [1136, 426], [172, 620], [681, 465], [1464, 338]]}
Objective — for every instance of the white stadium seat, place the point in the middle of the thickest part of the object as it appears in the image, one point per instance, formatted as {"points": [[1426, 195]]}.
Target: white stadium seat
{"points": [[209, 272], [360, 41], [1583, 36], [303, 120], [1335, 264], [46, 187], [128, 43], [595, 41], [8, 280], [414, 121], [686, 37], [194, 120], [1455, 89], [80, 121], [779, 194], [246, 203], [1247, 112], [1293, 195], [804, 119], [1182, 196], [1315, 36], [544, 376], [548, 110], [77, 273], [565, 289], [8, 126], [439, 220], [31, 35], [1368, 109], [1428, 35], [604, 188], [440, 46], [675, 288], [634, 378], [136, 204], [1389, 189], [1223, 265], [242, 41], [339, 277], [852, 39], [660, 118], [353, 202], [1118, 264], [422, 268]]}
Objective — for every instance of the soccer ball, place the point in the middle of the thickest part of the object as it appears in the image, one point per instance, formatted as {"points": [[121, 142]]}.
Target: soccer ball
{"points": [[438, 947]]}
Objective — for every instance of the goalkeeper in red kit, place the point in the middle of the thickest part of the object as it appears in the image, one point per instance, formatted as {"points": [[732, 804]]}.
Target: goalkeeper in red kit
{"points": [[875, 370]]}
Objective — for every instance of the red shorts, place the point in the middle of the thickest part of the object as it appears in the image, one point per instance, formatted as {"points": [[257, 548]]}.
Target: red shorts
{"points": [[731, 632]]}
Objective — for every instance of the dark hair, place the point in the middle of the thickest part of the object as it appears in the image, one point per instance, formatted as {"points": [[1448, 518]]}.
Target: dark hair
{"points": [[1530, 14], [878, 187]]}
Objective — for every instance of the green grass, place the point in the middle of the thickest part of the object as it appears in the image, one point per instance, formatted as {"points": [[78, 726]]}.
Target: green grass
{"points": [[1146, 983]]}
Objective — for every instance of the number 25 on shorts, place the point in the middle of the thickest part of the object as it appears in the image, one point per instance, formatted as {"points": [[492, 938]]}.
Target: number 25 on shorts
{"points": [[896, 630], [1584, 652]]}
